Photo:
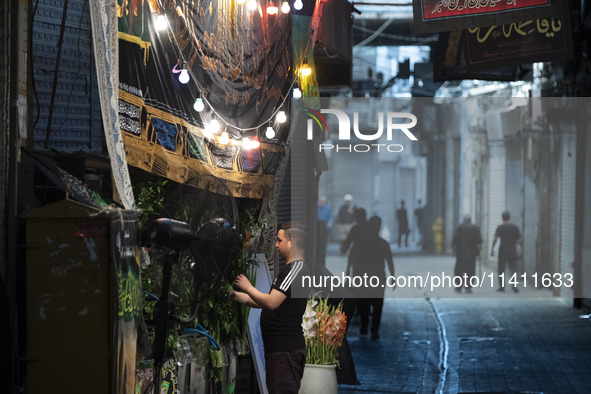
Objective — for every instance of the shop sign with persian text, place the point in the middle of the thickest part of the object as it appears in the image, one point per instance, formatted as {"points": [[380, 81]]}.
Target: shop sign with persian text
{"points": [[452, 15], [534, 40]]}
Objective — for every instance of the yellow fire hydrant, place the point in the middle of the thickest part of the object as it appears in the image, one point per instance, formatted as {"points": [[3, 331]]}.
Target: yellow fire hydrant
{"points": [[438, 235]]}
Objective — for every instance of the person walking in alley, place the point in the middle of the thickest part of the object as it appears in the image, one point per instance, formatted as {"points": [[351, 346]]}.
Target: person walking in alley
{"points": [[354, 245], [376, 252], [356, 238], [345, 215], [466, 245], [509, 235], [281, 317], [402, 218]]}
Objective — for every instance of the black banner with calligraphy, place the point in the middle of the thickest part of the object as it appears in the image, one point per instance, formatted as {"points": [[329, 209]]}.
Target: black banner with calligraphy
{"points": [[449, 62], [452, 15], [534, 40]]}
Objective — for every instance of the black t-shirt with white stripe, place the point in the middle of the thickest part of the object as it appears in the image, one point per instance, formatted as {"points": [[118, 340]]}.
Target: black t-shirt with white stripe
{"points": [[282, 327]]}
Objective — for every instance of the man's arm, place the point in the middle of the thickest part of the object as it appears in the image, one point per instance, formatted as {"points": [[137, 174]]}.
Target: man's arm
{"points": [[390, 263], [243, 298], [349, 265], [388, 256], [263, 300], [349, 240]]}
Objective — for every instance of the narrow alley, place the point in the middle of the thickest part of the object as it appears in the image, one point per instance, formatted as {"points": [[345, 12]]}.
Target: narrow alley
{"points": [[466, 343], [181, 182]]}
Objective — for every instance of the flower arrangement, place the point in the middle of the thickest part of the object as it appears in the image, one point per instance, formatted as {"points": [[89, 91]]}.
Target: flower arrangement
{"points": [[324, 327]]}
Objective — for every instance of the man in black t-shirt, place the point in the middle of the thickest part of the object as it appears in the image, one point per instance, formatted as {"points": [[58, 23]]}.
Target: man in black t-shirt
{"points": [[281, 317], [509, 235]]}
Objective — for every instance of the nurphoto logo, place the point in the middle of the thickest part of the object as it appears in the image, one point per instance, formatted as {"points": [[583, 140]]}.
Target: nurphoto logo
{"points": [[395, 122]]}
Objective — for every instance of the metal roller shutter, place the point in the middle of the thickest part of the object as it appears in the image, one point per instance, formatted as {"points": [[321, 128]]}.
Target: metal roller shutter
{"points": [[514, 184], [514, 187], [76, 122], [496, 196], [567, 205]]}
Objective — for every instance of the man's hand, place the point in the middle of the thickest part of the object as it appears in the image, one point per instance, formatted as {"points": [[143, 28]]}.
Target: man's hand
{"points": [[243, 283], [492, 253]]}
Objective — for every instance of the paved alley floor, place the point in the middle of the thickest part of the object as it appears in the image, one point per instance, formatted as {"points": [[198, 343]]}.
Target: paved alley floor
{"points": [[466, 343]]}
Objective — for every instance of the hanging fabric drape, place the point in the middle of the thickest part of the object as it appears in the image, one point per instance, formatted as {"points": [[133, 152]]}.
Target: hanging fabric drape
{"points": [[103, 15]]}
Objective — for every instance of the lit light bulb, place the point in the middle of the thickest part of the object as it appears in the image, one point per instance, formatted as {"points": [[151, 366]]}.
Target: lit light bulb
{"points": [[272, 8], [306, 70], [224, 138], [255, 143], [297, 93], [252, 5], [285, 8], [270, 133], [214, 126], [249, 144], [184, 76], [199, 105], [281, 117], [298, 5], [161, 23]]}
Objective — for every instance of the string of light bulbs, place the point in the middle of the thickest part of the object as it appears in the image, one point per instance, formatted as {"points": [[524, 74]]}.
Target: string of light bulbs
{"points": [[185, 75]]}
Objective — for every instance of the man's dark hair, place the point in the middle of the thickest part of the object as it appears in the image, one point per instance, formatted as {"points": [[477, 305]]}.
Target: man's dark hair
{"points": [[297, 232], [375, 223], [506, 215]]}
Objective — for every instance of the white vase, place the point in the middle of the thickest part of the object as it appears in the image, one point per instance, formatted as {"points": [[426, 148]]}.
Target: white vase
{"points": [[319, 379]]}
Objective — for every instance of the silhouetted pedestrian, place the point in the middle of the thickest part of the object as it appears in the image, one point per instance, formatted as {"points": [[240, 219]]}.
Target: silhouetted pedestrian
{"points": [[345, 219], [345, 214], [354, 245], [376, 252], [402, 218], [466, 245], [509, 235], [356, 238]]}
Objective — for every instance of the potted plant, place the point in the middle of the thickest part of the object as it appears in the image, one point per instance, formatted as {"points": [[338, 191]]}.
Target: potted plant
{"points": [[324, 325]]}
